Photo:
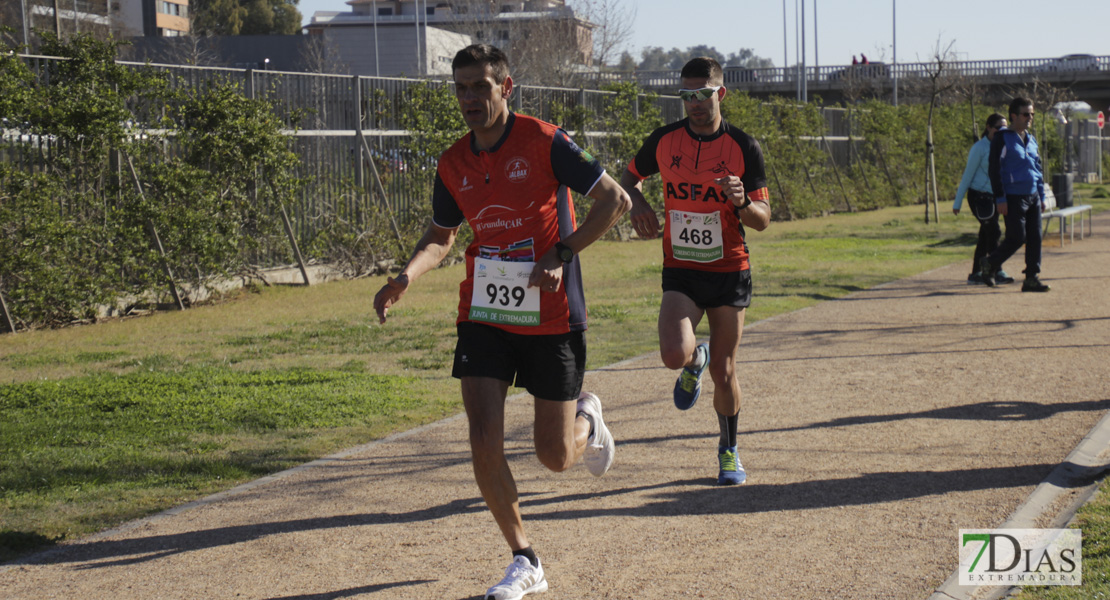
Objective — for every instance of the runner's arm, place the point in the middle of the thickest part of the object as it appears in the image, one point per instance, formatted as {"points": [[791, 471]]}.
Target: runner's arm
{"points": [[430, 251], [610, 204], [757, 214]]}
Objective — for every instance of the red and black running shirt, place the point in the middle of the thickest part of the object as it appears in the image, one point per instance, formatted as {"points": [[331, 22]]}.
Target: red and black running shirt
{"points": [[516, 198], [689, 163]]}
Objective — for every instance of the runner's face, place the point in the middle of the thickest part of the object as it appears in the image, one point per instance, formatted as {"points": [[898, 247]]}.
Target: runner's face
{"points": [[702, 114], [481, 99]]}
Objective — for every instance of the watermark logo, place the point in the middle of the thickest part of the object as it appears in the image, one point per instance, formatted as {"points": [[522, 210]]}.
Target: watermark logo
{"points": [[1021, 557]]}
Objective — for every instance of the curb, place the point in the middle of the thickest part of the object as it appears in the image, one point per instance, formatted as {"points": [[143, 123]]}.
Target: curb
{"points": [[1079, 475]]}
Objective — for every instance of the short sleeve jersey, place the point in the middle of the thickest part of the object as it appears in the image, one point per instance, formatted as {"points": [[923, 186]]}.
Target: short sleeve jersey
{"points": [[689, 163], [516, 198]]}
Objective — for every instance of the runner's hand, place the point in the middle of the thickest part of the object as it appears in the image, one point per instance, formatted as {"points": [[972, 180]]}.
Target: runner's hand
{"points": [[389, 295], [643, 220], [548, 272], [732, 188]]}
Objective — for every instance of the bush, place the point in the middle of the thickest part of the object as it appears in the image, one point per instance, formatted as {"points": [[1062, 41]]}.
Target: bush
{"points": [[78, 229]]}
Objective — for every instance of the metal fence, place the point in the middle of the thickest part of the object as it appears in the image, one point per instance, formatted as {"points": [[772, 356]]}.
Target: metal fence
{"points": [[349, 134]]}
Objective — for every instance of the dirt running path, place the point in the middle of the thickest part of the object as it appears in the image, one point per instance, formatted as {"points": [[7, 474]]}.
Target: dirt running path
{"points": [[874, 427]]}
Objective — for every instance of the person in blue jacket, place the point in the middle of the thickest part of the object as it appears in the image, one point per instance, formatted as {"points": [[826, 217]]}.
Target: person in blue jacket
{"points": [[976, 185], [1017, 182]]}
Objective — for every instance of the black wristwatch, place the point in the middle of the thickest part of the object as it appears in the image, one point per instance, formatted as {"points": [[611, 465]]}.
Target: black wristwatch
{"points": [[564, 252]]}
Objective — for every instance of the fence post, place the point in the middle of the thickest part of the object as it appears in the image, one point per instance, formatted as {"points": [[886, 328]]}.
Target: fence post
{"points": [[381, 193], [293, 241], [157, 241], [518, 98], [836, 171], [359, 143], [4, 310]]}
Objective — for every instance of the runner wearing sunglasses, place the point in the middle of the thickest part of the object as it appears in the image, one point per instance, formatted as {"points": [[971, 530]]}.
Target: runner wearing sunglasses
{"points": [[714, 186]]}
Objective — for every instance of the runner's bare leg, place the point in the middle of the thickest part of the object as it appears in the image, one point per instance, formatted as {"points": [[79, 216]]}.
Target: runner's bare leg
{"points": [[560, 435], [678, 318], [726, 325], [484, 399]]}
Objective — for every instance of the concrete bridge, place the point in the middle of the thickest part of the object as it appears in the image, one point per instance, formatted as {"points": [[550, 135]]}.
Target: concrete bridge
{"points": [[1086, 76]]}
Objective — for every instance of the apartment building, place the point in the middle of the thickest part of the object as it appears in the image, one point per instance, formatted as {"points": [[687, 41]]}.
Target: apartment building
{"points": [[420, 37], [160, 18]]}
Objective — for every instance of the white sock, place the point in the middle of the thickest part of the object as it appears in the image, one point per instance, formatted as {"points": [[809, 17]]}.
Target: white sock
{"points": [[699, 358]]}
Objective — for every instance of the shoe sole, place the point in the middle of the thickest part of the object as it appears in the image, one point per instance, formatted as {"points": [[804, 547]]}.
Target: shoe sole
{"points": [[724, 482], [536, 588]]}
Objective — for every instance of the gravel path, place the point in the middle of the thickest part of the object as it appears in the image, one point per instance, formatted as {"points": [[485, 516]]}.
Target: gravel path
{"points": [[874, 427]]}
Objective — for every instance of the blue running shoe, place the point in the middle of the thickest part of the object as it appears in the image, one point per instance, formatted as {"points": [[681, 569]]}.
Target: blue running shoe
{"points": [[1001, 277], [688, 387], [732, 472]]}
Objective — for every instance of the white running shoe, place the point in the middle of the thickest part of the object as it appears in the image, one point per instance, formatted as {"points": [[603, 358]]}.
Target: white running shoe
{"points": [[520, 578], [600, 447]]}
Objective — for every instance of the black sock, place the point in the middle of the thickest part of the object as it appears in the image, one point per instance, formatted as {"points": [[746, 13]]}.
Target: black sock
{"points": [[529, 554], [589, 420], [728, 429]]}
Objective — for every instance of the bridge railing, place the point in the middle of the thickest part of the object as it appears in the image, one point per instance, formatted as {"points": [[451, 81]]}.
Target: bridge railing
{"points": [[777, 76]]}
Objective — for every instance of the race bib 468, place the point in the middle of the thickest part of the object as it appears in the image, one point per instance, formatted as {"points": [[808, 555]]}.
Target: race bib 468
{"points": [[696, 237]]}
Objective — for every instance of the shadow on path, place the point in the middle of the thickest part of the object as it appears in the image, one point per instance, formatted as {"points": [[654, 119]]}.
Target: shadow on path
{"points": [[356, 591], [667, 498], [980, 411], [702, 497]]}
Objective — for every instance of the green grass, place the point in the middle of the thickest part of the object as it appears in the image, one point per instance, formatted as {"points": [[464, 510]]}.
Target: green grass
{"points": [[105, 423], [1094, 520]]}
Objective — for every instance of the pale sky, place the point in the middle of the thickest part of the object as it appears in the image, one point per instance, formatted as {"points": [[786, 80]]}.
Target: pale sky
{"points": [[979, 30]]}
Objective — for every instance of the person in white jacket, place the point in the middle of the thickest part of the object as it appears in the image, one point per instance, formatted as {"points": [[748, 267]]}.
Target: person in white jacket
{"points": [[976, 185]]}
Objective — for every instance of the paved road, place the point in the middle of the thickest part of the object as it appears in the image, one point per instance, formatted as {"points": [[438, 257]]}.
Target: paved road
{"points": [[874, 428]]}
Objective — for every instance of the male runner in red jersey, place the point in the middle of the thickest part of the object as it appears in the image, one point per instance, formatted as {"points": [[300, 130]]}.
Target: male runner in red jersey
{"points": [[714, 185], [522, 312]]}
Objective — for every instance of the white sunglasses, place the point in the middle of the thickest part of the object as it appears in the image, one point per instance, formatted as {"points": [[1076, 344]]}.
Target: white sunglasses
{"points": [[700, 95]]}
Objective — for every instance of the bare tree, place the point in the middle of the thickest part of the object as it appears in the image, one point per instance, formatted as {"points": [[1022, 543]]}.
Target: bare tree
{"points": [[941, 78], [613, 20], [322, 56], [194, 49], [547, 43]]}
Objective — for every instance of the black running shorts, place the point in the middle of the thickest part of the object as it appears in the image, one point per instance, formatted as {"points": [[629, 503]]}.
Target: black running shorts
{"points": [[710, 289], [550, 367]]}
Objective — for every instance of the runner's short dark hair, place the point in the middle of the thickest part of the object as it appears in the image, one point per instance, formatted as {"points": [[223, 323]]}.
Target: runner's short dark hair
{"points": [[483, 54], [704, 66], [1019, 103]]}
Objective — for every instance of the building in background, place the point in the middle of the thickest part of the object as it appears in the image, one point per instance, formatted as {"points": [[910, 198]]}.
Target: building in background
{"points": [[419, 38], [25, 17], [158, 18]]}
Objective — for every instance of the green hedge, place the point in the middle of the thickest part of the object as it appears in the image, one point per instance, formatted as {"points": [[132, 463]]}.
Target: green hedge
{"points": [[77, 232]]}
